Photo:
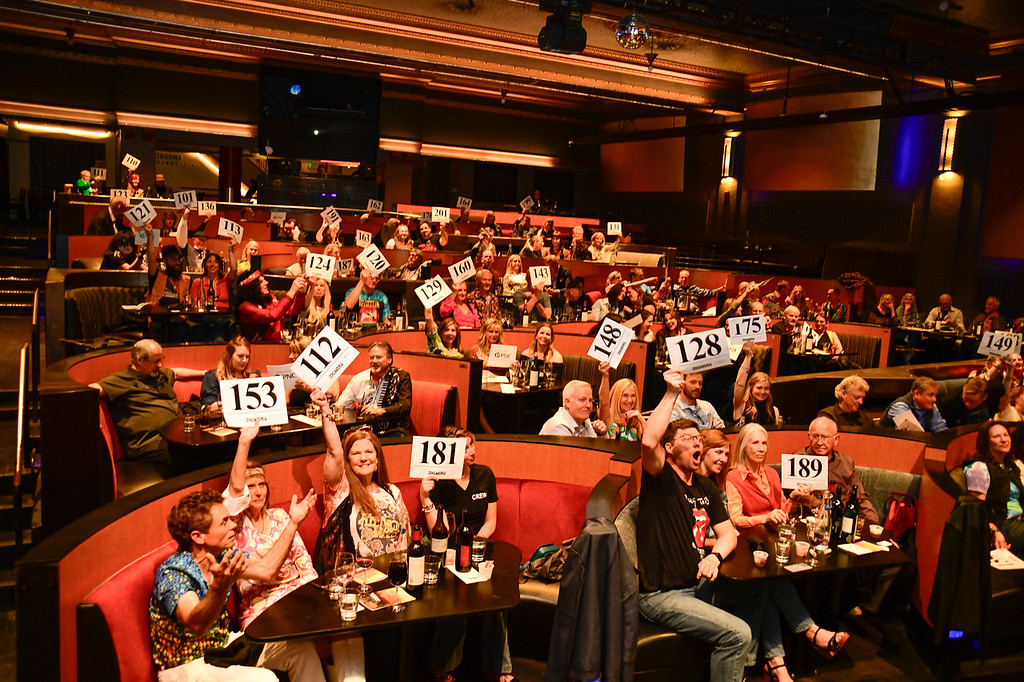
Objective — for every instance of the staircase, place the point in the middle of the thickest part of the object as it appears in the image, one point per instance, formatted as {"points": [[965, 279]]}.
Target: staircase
{"points": [[23, 268]]}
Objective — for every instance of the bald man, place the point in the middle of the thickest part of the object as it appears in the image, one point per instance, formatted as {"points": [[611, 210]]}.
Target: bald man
{"points": [[299, 266], [142, 401], [110, 221], [823, 439], [945, 317]]}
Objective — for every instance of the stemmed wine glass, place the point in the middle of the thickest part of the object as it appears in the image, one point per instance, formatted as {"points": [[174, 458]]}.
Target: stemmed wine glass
{"points": [[364, 562], [398, 574], [345, 569]]}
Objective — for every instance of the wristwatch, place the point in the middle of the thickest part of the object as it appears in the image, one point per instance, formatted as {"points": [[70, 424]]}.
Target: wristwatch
{"points": [[719, 556]]}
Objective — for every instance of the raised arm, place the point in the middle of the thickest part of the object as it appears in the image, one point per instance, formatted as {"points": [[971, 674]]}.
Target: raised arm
{"points": [[334, 462], [198, 615], [232, 262], [740, 387], [652, 451], [181, 233], [604, 412], [151, 251], [352, 300], [265, 568], [236, 479], [320, 232]]}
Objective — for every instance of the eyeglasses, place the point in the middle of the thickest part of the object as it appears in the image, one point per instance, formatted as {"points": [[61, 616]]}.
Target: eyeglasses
{"points": [[815, 437], [358, 429], [688, 437]]}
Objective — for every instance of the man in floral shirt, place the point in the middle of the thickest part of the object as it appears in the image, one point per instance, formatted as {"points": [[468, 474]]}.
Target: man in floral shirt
{"points": [[187, 608]]}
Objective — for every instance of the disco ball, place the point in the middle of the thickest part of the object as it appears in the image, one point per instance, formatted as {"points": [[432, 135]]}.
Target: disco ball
{"points": [[632, 31]]}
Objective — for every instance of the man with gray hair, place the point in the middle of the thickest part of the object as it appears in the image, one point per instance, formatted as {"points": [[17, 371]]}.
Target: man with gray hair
{"points": [[110, 221], [142, 401], [573, 417], [850, 393]]}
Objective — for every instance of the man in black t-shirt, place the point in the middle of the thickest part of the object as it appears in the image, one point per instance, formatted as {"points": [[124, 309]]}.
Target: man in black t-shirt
{"points": [[677, 576]]}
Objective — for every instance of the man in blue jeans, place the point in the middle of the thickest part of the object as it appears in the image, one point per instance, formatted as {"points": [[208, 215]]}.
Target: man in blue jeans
{"points": [[677, 578]]}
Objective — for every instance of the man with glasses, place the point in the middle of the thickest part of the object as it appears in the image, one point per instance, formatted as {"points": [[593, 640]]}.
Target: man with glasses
{"points": [[823, 435], [678, 586]]}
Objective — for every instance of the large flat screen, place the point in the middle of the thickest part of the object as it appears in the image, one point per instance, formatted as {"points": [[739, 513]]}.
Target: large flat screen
{"points": [[318, 115]]}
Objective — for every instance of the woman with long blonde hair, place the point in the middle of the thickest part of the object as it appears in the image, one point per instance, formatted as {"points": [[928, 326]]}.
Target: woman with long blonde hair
{"points": [[314, 317], [619, 407], [514, 279], [233, 364]]}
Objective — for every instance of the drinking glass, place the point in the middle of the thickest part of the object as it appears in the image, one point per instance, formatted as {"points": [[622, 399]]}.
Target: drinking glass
{"points": [[549, 374], [398, 574], [782, 547], [477, 551], [431, 568], [818, 534], [348, 604], [345, 569], [364, 562]]}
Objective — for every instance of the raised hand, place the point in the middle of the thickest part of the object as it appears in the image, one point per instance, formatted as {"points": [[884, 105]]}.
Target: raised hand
{"points": [[298, 511], [228, 570], [248, 434], [674, 379]]}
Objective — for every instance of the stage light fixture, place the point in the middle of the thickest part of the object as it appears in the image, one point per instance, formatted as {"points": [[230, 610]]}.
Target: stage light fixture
{"points": [[563, 31]]}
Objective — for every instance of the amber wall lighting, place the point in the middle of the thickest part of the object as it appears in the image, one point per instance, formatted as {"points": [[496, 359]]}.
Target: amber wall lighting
{"points": [[727, 157], [948, 142]]}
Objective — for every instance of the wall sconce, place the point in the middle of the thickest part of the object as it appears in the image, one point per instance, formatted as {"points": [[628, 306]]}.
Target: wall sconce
{"points": [[948, 141], [727, 157]]}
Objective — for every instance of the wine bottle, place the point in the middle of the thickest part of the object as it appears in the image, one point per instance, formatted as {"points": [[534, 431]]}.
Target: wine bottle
{"points": [[534, 374], [211, 296], [416, 559], [405, 314], [397, 323], [464, 548], [837, 514], [439, 534], [850, 517]]}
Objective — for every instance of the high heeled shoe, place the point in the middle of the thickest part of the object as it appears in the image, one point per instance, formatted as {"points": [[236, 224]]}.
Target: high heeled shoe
{"points": [[834, 645], [771, 672]]}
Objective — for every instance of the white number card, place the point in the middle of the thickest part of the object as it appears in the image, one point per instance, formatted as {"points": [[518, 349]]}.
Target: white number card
{"points": [[229, 228], [184, 199], [440, 458], [801, 469], [118, 193], [614, 229], [462, 270], [286, 373], [254, 401], [141, 214], [140, 238], [345, 266], [999, 344], [464, 202], [374, 205], [130, 162], [319, 265], [324, 359], [425, 216], [526, 204], [331, 215], [439, 214], [207, 208], [747, 328], [363, 238], [373, 260], [433, 291], [502, 356], [700, 351], [99, 173], [611, 342], [540, 274], [278, 217]]}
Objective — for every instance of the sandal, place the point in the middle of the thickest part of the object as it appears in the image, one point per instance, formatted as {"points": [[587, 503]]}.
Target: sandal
{"points": [[771, 673], [833, 646]]}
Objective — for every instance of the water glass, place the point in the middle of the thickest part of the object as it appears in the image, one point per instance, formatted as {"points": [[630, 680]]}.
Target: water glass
{"points": [[188, 425], [431, 568], [348, 604], [782, 547], [312, 410], [477, 550]]}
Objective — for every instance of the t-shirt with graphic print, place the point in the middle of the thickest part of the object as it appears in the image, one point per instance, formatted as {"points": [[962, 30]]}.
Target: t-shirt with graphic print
{"points": [[673, 522], [372, 308]]}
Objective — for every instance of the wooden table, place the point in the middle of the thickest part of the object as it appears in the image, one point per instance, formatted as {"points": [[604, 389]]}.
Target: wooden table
{"points": [[508, 408], [740, 564], [190, 450], [309, 612]]}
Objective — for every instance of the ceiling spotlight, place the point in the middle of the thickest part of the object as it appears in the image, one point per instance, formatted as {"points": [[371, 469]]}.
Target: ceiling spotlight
{"points": [[632, 31]]}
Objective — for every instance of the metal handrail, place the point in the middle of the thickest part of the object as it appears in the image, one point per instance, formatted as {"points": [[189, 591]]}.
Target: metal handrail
{"points": [[19, 450], [35, 356]]}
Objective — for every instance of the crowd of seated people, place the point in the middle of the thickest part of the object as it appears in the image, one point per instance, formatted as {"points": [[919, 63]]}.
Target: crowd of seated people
{"points": [[684, 455]]}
